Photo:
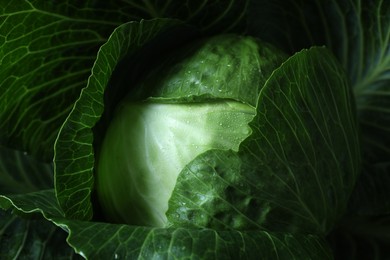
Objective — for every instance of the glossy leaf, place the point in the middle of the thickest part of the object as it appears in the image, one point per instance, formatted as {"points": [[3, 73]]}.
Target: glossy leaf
{"points": [[74, 154], [51, 52], [358, 33], [47, 50], [101, 240], [306, 152], [46, 53]]}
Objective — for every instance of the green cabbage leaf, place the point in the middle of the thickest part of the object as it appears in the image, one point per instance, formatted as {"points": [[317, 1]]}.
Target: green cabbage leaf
{"points": [[296, 160]]}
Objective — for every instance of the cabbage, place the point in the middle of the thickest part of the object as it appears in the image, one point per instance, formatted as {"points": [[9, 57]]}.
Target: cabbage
{"points": [[218, 129]]}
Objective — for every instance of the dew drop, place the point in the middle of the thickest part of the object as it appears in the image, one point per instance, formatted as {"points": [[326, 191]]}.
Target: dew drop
{"points": [[199, 174], [201, 197]]}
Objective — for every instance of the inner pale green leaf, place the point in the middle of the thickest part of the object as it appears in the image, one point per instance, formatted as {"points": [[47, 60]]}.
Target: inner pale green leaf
{"points": [[148, 144]]}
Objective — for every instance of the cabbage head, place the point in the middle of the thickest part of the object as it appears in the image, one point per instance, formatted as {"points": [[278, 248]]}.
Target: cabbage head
{"points": [[228, 133]]}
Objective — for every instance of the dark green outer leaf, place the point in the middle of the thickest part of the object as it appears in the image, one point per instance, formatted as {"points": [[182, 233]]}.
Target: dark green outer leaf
{"points": [[21, 173], [24, 179], [74, 154], [109, 241], [209, 16], [297, 169], [46, 53], [95, 240], [43, 201], [358, 33], [47, 50], [307, 141], [32, 239]]}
